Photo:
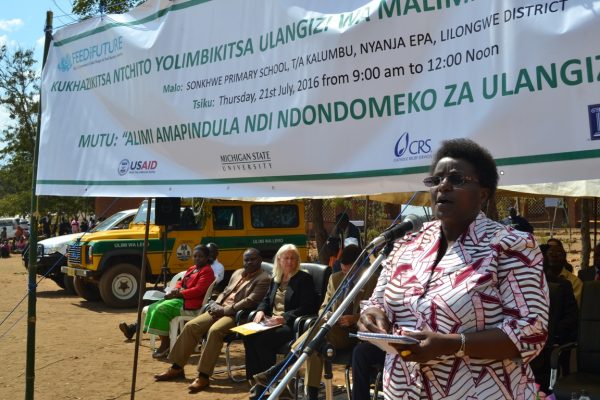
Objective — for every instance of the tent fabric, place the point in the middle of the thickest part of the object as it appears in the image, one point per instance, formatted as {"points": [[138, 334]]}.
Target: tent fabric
{"points": [[582, 188]]}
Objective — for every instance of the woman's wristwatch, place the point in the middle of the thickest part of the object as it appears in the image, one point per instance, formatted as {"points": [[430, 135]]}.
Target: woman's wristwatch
{"points": [[461, 351]]}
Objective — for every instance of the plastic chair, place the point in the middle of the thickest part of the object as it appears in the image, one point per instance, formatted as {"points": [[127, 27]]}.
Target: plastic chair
{"points": [[176, 278], [176, 324], [320, 274], [587, 347], [149, 296]]}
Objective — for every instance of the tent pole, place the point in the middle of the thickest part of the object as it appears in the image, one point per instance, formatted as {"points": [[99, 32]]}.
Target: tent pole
{"points": [[595, 221], [366, 225], [32, 299], [138, 322], [569, 222]]}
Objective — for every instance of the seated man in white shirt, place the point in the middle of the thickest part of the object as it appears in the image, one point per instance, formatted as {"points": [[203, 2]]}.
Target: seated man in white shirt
{"points": [[217, 267]]}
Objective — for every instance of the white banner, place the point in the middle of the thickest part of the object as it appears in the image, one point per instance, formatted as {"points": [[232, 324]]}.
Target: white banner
{"points": [[237, 98]]}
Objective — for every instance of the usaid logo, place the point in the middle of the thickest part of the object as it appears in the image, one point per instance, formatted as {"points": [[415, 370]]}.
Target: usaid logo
{"points": [[407, 149], [65, 63], [137, 167], [594, 113], [123, 167]]}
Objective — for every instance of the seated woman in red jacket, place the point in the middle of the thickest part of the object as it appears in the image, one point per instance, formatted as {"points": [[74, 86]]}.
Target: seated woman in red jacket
{"points": [[188, 294]]}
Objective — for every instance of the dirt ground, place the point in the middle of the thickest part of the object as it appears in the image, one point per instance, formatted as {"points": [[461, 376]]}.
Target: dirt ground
{"points": [[81, 354]]}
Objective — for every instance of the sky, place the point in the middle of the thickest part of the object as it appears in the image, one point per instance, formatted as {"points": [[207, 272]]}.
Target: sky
{"points": [[22, 25]]}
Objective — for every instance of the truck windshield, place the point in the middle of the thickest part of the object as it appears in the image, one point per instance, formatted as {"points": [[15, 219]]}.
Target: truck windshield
{"points": [[109, 222], [140, 217], [192, 215]]}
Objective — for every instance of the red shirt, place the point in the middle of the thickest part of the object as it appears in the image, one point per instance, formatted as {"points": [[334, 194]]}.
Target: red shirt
{"points": [[194, 285]]}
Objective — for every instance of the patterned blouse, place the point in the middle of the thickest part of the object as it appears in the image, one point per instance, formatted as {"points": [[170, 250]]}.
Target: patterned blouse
{"points": [[490, 278]]}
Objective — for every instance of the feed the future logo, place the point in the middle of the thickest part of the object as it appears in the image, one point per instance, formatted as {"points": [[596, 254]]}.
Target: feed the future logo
{"points": [[93, 54]]}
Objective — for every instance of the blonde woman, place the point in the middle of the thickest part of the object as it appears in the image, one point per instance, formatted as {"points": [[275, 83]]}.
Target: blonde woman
{"points": [[292, 294]]}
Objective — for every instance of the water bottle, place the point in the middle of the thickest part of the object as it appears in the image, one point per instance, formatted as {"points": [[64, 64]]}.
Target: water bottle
{"points": [[583, 395]]}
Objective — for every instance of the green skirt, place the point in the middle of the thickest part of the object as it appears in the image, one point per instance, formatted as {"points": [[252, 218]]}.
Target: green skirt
{"points": [[160, 314]]}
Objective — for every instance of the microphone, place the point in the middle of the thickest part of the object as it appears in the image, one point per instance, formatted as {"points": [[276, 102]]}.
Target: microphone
{"points": [[410, 223]]}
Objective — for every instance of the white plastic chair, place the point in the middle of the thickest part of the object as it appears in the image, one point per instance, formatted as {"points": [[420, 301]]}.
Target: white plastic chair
{"points": [[186, 315], [149, 294], [176, 325]]}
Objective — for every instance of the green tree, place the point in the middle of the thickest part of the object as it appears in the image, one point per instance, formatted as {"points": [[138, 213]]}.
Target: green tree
{"points": [[89, 8], [19, 97]]}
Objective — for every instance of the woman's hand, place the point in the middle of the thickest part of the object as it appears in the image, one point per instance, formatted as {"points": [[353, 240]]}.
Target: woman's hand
{"points": [[374, 320], [173, 294], [258, 317], [273, 321], [432, 345], [346, 321]]}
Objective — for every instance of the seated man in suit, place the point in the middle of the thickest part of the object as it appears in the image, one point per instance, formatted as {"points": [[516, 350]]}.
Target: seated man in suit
{"points": [[247, 287], [592, 272]]}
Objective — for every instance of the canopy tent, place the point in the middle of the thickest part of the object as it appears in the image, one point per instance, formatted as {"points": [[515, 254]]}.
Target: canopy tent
{"points": [[582, 188]]}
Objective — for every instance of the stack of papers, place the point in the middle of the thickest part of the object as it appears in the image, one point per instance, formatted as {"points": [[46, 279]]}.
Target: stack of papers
{"points": [[252, 327], [385, 341], [154, 295]]}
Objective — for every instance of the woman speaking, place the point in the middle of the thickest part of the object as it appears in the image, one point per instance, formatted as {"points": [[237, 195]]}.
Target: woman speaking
{"points": [[469, 289]]}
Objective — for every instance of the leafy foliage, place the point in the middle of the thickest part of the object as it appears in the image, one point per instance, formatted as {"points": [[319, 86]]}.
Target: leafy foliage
{"points": [[19, 96], [89, 8]]}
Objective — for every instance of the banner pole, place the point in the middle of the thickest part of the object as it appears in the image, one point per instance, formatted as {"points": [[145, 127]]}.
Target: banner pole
{"points": [[141, 290], [32, 299]]}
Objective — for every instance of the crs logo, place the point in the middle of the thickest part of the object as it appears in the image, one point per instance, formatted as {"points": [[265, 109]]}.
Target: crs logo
{"points": [[137, 167], [65, 63], [411, 148]]}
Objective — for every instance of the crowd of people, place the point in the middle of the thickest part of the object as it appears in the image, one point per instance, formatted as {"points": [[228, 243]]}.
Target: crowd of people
{"points": [[459, 288], [65, 226], [15, 244], [20, 240]]}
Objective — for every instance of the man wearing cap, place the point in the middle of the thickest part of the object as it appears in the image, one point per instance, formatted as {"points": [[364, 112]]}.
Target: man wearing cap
{"points": [[349, 242], [346, 229]]}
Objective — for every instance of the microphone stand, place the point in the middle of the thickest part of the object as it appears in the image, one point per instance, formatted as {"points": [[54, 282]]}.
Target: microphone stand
{"points": [[317, 340]]}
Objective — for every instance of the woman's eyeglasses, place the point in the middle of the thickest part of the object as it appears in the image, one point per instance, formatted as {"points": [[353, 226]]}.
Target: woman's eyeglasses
{"points": [[456, 180]]}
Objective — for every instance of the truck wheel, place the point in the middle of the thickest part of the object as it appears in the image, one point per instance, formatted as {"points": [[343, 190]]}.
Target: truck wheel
{"points": [[59, 279], [85, 289], [69, 285], [119, 286]]}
